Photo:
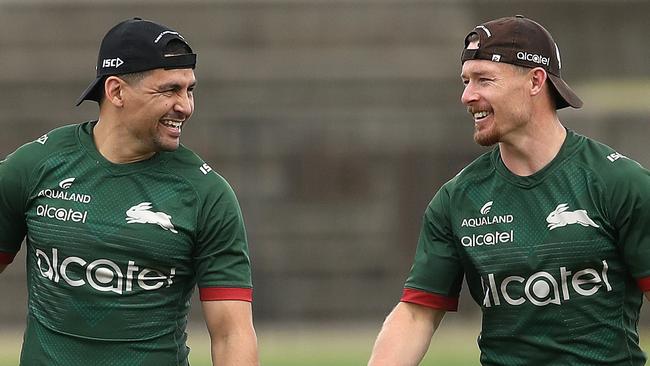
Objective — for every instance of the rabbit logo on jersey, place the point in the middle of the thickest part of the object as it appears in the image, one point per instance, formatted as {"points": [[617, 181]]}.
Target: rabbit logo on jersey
{"points": [[544, 288], [101, 274], [142, 214], [561, 217]]}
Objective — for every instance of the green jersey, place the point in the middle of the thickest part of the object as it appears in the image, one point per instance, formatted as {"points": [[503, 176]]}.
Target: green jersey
{"points": [[557, 260], [114, 251]]}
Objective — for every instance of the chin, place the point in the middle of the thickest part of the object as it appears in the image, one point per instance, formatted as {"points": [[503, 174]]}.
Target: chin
{"points": [[486, 138], [170, 148], [167, 146], [165, 143]]}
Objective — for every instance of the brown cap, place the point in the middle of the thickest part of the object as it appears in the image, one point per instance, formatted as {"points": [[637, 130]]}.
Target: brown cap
{"points": [[520, 41]]}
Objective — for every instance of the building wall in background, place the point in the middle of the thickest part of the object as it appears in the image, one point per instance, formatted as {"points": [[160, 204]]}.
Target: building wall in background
{"points": [[335, 121]]}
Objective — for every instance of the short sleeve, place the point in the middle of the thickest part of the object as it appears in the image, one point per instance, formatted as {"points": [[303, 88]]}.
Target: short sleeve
{"points": [[222, 262], [436, 275], [12, 203], [629, 206]]}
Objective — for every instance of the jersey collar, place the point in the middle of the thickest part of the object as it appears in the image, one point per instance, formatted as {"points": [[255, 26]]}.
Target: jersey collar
{"points": [[571, 142]]}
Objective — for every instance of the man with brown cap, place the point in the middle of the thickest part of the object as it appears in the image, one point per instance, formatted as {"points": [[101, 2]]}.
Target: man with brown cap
{"points": [[549, 229], [123, 222]]}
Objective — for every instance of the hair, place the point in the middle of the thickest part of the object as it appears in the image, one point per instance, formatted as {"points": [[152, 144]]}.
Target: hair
{"points": [[175, 47]]}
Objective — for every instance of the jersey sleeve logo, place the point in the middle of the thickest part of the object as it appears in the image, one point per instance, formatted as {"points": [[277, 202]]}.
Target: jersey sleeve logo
{"points": [[205, 169], [561, 217], [615, 156], [142, 214], [43, 139]]}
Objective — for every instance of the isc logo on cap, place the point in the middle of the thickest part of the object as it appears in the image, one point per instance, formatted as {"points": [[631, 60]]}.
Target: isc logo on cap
{"points": [[112, 62]]}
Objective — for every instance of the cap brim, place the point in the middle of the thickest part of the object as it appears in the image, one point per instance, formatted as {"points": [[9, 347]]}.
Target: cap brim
{"points": [[91, 92], [566, 96]]}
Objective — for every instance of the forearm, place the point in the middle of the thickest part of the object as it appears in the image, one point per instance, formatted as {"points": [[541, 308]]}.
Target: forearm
{"points": [[405, 335], [232, 335], [236, 349]]}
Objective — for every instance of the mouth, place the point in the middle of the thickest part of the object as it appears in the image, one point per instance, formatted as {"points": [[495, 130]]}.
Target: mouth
{"points": [[173, 126], [479, 116]]}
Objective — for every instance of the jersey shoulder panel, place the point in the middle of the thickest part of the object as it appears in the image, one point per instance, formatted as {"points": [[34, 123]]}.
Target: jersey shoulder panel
{"points": [[623, 180], [607, 163], [481, 168], [205, 180], [56, 141], [626, 202], [221, 249], [17, 178]]}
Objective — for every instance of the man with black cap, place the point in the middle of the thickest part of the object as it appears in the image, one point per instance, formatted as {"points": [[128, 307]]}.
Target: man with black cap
{"points": [[122, 222], [549, 229]]}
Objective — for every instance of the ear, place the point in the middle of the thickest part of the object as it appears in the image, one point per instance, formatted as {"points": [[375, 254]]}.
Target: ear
{"points": [[561, 207], [538, 78], [113, 89]]}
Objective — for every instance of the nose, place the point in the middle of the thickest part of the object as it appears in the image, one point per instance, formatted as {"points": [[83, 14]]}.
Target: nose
{"points": [[184, 103], [469, 95]]}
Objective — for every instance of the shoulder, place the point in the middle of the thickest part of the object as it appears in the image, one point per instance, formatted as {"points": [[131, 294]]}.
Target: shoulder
{"points": [[610, 166], [56, 141], [195, 171], [481, 169]]}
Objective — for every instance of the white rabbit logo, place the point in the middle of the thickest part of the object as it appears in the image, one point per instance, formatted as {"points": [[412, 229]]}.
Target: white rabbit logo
{"points": [[141, 214], [561, 217]]}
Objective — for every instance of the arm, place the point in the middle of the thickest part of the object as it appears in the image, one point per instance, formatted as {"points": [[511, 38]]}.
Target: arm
{"points": [[232, 336], [2, 267], [405, 335], [647, 293]]}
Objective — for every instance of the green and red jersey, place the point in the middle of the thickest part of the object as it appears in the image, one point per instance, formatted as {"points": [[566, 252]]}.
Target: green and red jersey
{"points": [[114, 251], [558, 261]]}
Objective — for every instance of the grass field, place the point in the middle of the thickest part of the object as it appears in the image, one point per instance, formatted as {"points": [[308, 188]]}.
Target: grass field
{"points": [[453, 345], [307, 346]]}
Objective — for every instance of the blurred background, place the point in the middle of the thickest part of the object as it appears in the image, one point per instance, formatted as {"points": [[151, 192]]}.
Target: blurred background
{"points": [[335, 121]]}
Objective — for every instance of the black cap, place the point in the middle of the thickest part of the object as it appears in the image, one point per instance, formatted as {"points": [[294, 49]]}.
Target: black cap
{"points": [[520, 41], [135, 45]]}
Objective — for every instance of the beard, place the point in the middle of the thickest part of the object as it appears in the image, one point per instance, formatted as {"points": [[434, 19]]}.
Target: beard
{"points": [[487, 137], [161, 145]]}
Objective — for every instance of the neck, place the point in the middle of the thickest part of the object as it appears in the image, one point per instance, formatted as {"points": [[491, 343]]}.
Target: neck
{"points": [[534, 147], [115, 144]]}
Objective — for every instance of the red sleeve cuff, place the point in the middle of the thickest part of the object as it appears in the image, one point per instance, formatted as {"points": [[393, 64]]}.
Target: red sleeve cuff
{"points": [[429, 300], [644, 283], [226, 293], [6, 258]]}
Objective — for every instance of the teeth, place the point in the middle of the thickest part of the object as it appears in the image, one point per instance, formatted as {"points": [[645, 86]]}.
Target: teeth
{"points": [[479, 115], [173, 124]]}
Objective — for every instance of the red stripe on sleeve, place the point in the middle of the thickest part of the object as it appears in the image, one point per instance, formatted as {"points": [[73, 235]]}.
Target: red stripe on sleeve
{"points": [[226, 293], [429, 300], [644, 283], [6, 258]]}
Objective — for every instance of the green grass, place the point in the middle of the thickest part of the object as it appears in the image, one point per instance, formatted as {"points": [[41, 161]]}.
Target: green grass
{"points": [[306, 346], [453, 345]]}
